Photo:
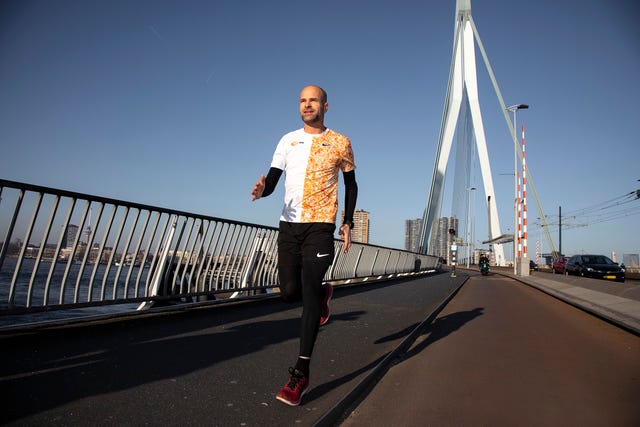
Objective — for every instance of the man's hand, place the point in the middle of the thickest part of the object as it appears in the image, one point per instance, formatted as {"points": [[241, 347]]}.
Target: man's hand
{"points": [[258, 189], [345, 232]]}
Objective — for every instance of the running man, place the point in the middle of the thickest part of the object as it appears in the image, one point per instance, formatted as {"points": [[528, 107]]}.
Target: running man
{"points": [[311, 159]]}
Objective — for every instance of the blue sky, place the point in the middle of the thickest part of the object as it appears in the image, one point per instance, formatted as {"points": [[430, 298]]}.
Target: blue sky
{"points": [[180, 104]]}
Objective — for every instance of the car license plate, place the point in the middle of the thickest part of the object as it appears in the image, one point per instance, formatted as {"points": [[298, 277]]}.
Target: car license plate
{"points": [[609, 277]]}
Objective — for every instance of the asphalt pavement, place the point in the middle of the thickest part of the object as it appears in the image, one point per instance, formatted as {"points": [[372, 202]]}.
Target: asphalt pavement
{"points": [[214, 366]]}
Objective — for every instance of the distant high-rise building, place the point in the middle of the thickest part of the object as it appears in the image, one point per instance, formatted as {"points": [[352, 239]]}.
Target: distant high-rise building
{"points": [[70, 235], [441, 240], [412, 234], [631, 260], [360, 231]]}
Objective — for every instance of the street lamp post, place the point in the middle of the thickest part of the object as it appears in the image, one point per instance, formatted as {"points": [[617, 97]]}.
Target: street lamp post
{"points": [[469, 190], [514, 109]]}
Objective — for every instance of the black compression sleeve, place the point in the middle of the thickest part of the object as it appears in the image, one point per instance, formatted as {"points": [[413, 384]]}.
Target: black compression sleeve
{"points": [[350, 196], [271, 181]]}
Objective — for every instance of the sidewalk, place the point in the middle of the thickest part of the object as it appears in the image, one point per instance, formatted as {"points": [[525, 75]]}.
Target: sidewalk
{"points": [[621, 311], [505, 355]]}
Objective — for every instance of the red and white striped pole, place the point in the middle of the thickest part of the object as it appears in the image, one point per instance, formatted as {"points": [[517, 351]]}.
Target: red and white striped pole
{"points": [[519, 215], [524, 196]]}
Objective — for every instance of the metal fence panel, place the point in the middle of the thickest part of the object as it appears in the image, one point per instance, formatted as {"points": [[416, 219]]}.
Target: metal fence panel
{"points": [[61, 249]]}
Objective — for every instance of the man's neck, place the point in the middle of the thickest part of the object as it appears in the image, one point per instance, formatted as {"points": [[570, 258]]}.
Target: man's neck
{"points": [[315, 128]]}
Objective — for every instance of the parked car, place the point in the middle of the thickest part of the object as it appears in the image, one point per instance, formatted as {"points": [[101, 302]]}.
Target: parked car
{"points": [[557, 266], [597, 266], [532, 265]]}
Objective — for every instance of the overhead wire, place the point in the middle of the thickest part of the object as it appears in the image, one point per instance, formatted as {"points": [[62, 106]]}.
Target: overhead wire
{"points": [[604, 205], [608, 210]]}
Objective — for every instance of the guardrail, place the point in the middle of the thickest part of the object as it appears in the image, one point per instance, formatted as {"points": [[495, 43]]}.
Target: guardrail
{"points": [[62, 250]]}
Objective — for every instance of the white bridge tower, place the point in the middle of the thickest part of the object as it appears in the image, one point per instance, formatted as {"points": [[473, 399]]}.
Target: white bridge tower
{"points": [[462, 86]]}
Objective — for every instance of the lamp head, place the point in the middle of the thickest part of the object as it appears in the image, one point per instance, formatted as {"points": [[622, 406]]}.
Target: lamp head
{"points": [[515, 107]]}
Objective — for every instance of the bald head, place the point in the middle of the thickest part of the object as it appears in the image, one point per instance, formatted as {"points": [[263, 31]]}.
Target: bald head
{"points": [[322, 92]]}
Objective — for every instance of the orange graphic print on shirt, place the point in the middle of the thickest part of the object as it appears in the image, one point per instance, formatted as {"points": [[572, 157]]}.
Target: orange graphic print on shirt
{"points": [[330, 153]]}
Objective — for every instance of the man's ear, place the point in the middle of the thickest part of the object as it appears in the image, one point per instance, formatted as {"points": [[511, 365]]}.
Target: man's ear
{"points": [[326, 107]]}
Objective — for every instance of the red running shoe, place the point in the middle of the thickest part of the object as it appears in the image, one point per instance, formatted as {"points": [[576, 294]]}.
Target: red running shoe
{"points": [[294, 389], [326, 311]]}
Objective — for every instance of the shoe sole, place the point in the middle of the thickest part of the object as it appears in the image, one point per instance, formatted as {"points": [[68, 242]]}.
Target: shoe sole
{"points": [[288, 402]]}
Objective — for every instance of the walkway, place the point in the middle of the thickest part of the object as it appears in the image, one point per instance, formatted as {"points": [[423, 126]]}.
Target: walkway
{"points": [[504, 354], [500, 353]]}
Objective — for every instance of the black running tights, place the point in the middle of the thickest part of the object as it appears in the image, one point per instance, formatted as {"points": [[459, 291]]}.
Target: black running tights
{"points": [[305, 252]]}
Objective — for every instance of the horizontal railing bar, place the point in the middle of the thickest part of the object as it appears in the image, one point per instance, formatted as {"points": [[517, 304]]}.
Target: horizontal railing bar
{"points": [[106, 200]]}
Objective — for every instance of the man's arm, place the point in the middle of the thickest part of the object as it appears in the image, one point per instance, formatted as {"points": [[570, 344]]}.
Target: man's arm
{"points": [[265, 186], [350, 197]]}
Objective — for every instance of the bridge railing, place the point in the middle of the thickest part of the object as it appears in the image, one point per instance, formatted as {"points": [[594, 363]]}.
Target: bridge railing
{"points": [[60, 249]]}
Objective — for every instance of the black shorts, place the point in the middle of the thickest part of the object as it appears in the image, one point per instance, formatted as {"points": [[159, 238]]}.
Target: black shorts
{"points": [[306, 242], [305, 253]]}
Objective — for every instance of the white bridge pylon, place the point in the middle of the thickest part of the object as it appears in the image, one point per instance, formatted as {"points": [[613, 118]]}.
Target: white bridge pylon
{"points": [[462, 81]]}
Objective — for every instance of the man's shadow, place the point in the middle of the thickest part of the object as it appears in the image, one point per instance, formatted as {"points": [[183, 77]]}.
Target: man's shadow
{"points": [[442, 327]]}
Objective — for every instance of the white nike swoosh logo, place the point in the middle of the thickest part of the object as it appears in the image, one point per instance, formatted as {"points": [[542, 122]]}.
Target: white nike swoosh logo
{"points": [[319, 255]]}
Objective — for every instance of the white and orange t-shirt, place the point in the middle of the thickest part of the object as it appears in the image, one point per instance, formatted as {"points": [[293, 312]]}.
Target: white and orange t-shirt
{"points": [[311, 163]]}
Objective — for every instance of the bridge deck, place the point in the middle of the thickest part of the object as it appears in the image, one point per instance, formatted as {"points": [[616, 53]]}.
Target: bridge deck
{"points": [[500, 353]]}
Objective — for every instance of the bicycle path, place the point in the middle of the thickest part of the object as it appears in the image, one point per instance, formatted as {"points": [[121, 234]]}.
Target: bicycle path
{"points": [[503, 354]]}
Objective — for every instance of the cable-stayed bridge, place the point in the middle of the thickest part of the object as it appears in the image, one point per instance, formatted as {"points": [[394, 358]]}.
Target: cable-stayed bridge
{"points": [[462, 123]]}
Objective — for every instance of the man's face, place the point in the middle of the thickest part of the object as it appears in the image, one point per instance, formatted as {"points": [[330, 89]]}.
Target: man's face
{"points": [[312, 108]]}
